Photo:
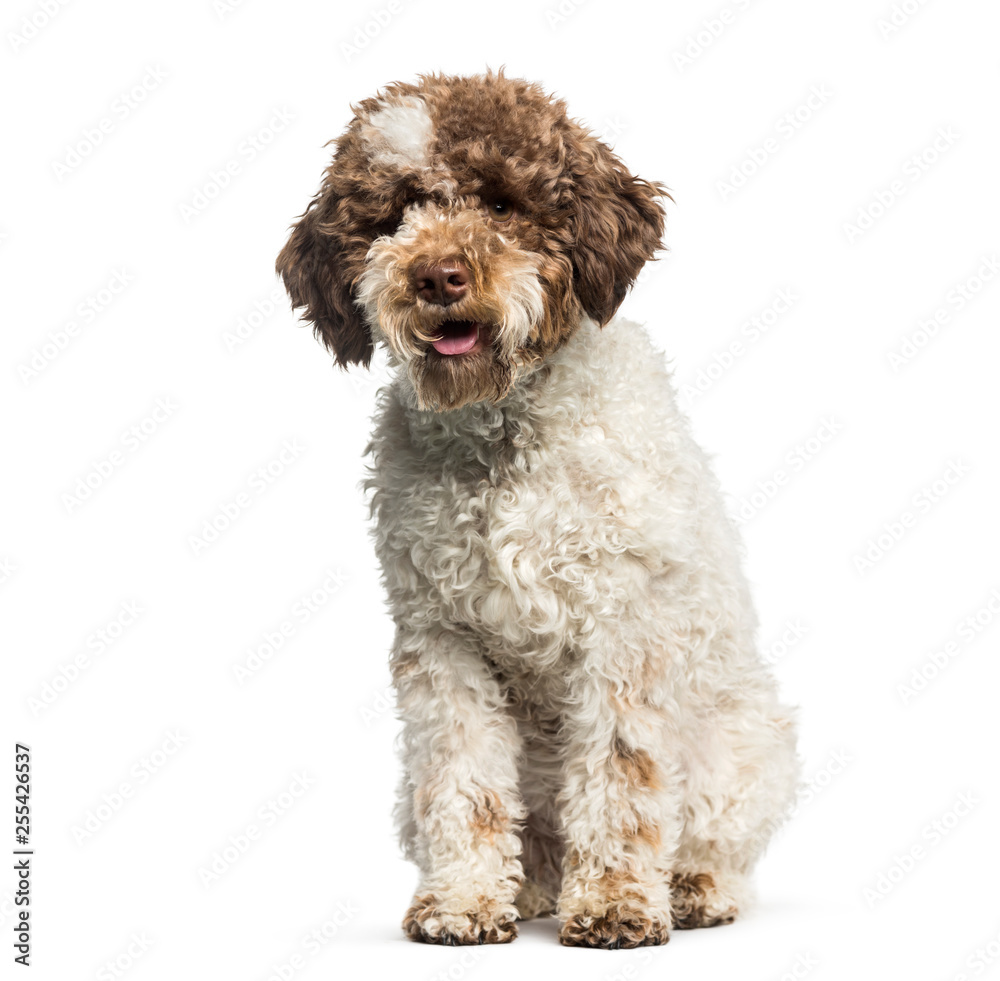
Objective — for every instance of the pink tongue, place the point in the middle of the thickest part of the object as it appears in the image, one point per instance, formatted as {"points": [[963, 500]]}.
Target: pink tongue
{"points": [[458, 343]]}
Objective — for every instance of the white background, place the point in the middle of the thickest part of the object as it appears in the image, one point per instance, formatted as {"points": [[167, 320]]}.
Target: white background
{"points": [[261, 86]]}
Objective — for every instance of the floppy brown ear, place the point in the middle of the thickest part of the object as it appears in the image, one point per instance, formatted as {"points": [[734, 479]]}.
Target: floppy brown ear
{"points": [[618, 222], [316, 270]]}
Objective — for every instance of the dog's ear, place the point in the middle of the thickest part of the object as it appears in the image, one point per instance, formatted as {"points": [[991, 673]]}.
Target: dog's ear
{"points": [[315, 265], [618, 224]]}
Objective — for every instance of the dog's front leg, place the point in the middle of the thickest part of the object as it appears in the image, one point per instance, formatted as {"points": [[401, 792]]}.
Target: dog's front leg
{"points": [[621, 817], [460, 802]]}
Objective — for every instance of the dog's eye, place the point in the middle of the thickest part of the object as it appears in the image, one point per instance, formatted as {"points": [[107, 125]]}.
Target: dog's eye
{"points": [[500, 210]]}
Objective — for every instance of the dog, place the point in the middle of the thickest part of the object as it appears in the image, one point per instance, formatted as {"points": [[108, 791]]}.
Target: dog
{"points": [[588, 729]]}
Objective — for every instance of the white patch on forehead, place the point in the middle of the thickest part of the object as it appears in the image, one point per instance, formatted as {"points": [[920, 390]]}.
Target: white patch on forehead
{"points": [[399, 135]]}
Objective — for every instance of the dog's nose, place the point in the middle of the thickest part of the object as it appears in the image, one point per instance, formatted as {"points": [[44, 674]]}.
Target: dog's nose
{"points": [[443, 283]]}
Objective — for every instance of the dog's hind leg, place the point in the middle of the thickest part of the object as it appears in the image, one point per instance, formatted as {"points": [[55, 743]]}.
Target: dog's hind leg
{"points": [[739, 786]]}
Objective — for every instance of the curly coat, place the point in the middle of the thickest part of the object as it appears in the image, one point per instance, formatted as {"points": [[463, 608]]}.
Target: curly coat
{"points": [[587, 726]]}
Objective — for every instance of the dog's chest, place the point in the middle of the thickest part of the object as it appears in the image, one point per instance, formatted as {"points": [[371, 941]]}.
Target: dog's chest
{"points": [[521, 538]]}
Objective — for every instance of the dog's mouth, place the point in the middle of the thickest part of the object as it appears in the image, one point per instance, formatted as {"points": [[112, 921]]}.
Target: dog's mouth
{"points": [[457, 337]]}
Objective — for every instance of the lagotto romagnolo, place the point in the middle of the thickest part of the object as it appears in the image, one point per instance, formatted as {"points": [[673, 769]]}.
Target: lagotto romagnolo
{"points": [[588, 729]]}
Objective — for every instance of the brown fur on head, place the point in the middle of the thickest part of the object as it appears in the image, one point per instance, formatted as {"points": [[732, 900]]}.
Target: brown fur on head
{"points": [[487, 174]]}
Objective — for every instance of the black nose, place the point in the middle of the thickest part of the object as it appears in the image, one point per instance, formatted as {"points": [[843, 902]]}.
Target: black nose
{"points": [[443, 283]]}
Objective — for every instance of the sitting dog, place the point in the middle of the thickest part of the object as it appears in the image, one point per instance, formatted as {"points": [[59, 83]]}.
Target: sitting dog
{"points": [[588, 729]]}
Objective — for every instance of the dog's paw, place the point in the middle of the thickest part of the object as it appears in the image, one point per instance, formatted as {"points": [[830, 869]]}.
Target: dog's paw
{"points": [[618, 928], [428, 921], [695, 901]]}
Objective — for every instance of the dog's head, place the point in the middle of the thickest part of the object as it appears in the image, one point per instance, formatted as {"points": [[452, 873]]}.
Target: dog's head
{"points": [[467, 223]]}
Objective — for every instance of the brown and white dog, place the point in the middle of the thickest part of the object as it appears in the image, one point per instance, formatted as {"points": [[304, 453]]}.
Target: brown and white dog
{"points": [[588, 729]]}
